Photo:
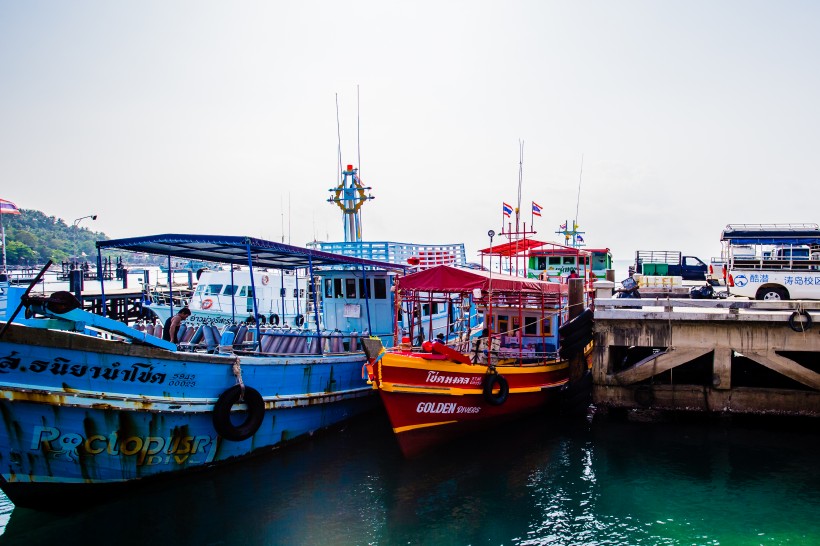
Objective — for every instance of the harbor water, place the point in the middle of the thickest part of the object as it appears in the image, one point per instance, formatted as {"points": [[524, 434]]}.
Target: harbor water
{"points": [[602, 481]]}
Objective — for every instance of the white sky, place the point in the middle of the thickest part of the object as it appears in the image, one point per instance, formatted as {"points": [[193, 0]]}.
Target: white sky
{"points": [[220, 117]]}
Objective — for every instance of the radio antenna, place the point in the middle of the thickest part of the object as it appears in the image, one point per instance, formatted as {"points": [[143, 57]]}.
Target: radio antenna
{"points": [[358, 133], [578, 201], [339, 141]]}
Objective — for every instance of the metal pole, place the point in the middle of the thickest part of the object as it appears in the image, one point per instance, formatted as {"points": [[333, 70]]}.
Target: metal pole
{"points": [[255, 310]]}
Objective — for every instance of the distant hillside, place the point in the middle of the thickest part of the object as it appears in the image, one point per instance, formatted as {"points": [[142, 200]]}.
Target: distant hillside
{"points": [[33, 238]]}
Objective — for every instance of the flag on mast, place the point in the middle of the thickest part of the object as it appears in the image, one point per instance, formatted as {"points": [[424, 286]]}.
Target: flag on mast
{"points": [[7, 207], [536, 209], [507, 209]]}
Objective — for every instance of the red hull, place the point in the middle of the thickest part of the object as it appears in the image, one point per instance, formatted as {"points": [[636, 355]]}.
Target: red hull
{"points": [[431, 402], [433, 429]]}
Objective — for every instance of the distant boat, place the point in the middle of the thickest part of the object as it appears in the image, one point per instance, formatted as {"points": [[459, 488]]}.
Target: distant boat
{"points": [[91, 406]]}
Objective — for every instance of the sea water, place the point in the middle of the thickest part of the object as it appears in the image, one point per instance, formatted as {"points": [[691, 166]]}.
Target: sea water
{"points": [[603, 481]]}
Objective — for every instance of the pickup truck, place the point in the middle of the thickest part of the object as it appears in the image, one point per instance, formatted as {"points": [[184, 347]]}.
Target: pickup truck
{"points": [[670, 263]]}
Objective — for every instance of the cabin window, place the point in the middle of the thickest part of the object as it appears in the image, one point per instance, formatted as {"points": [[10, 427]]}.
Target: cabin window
{"points": [[425, 309], [531, 326], [503, 323], [516, 326], [546, 326], [246, 291], [328, 288], [364, 291], [540, 262], [569, 260], [554, 260], [230, 290], [350, 288], [599, 261], [213, 289], [199, 290], [337, 288], [380, 289]]}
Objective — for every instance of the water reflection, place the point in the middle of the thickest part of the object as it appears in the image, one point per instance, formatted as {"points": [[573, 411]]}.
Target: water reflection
{"points": [[538, 482]]}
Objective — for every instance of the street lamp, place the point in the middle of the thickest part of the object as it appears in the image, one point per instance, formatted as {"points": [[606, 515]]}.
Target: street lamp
{"points": [[76, 233]]}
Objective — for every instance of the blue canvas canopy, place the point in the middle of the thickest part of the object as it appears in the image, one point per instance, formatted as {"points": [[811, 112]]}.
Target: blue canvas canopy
{"points": [[237, 250], [803, 234]]}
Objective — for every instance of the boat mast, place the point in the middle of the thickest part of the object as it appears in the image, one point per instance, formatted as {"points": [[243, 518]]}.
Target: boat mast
{"points": [[349, 195]]}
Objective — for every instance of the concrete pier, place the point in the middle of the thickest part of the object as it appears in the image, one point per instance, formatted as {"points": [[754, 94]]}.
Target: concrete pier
{"points": [[724, 356]]}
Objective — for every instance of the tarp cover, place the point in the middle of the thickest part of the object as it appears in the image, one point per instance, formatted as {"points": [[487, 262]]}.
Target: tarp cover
{"points": [[445, 278]]}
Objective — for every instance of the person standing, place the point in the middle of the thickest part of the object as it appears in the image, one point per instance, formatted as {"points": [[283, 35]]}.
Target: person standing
{"points": [[171, 327]]}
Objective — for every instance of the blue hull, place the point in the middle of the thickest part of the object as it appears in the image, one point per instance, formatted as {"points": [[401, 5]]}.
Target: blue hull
{"points": [[84, 414]]}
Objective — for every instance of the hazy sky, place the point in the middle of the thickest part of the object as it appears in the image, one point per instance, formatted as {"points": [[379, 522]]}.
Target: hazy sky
{"points": [[220, 117]]}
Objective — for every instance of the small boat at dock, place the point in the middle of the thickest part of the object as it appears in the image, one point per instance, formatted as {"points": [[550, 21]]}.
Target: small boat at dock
{"points": [[91, 406]]}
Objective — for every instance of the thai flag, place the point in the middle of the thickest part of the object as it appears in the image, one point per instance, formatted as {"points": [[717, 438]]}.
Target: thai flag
{"points": [[507, 209], [579, 238], [536, 209], [7, 207], [564, 226]]}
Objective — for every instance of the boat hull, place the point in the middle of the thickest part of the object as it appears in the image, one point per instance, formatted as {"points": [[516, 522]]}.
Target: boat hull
{"points": [[79, 411], [433, 401]]}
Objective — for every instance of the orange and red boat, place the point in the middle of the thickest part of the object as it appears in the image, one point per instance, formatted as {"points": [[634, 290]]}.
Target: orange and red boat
{"points": [[511, 366]]}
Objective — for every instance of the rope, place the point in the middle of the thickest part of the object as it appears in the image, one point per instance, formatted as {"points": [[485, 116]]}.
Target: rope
{"points": [[237, 372]]}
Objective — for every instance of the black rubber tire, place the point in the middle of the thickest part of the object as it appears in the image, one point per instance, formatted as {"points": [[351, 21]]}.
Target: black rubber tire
{"points": [[586, 317], [62, 302], [573, 337], [575, 346], [490, 381], [775, 293], [800, 325], [222, 414], [299, 320], [274, 319]]}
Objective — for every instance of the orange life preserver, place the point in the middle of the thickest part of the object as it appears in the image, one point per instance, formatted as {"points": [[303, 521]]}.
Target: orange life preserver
{"points": [[207, 303]]}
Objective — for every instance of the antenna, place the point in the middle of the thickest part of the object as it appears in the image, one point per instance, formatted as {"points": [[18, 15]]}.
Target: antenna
{"points": [[520, 179], [358, 133], [338, 140], [578, 201]]}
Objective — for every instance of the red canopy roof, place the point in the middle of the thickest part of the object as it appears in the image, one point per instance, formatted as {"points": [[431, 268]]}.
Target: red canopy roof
{"points": [[512, 248], [445, 278]]}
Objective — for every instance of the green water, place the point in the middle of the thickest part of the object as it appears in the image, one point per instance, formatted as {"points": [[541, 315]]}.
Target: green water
{"points": [[540, 482]]}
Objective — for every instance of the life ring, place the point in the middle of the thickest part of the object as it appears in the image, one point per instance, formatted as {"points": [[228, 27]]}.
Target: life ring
{"points": [[274, 319], [207, 303], [800, 325], [299, 320], [222, 414], [265, 279], [496, 399]]}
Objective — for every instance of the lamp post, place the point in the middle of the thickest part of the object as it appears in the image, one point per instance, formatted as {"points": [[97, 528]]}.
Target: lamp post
{"points": [[76, 233]]}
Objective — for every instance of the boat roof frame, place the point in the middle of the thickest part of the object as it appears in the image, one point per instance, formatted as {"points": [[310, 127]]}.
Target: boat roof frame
{"points": [[232, 249]]}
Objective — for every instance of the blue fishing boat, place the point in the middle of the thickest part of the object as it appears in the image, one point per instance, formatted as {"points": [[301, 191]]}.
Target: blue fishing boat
{"points": [[91, 406]]}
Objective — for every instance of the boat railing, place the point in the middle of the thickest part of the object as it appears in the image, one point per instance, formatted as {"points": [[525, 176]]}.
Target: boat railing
{"points": [[398, 253]]}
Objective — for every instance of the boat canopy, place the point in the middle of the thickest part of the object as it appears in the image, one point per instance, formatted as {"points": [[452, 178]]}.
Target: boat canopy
{"points": [[237, 250], [771, 234], [512, 248], [452, 279]]}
